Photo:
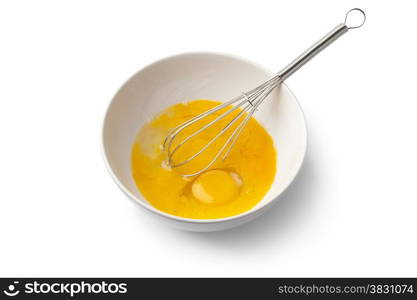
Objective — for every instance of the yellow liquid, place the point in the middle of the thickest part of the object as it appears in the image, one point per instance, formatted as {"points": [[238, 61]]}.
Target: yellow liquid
{"points": [[229, 187]]}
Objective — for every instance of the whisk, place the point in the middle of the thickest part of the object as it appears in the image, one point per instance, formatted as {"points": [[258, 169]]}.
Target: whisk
{"points": [[247, 103]]}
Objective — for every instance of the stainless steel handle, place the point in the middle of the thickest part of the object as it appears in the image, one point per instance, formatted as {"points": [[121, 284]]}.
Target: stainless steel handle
{"points": [[329, 38]]}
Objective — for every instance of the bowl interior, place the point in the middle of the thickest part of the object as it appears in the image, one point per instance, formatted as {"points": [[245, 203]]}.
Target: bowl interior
{"points": [[201, 76]]}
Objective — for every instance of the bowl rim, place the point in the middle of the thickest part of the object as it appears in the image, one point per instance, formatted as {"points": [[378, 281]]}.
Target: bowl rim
{"points": [[153, 209]]}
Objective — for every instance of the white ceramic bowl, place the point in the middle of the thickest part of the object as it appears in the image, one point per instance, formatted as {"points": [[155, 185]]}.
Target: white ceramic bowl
{"points": [[201, 76]]}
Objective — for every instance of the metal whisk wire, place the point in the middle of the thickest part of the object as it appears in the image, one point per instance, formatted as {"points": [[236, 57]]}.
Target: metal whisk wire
{"points": [[250, 102], [247, 103]]}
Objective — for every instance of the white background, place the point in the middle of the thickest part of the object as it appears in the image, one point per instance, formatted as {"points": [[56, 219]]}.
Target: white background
{"points": [[351, 212]]}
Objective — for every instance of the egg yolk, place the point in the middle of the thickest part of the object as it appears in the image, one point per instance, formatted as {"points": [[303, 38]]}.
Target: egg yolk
{"points": [[228, 187], [215, 187]]}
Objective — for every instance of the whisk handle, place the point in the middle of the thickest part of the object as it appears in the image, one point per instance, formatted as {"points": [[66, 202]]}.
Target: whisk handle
{"points": [[328, 39]]}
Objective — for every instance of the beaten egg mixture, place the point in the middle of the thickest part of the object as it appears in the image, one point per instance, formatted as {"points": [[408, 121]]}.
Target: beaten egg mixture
{"points": [[229, 187]]}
